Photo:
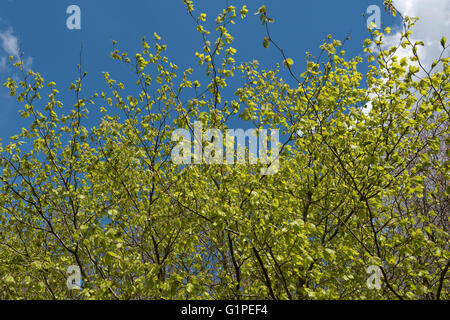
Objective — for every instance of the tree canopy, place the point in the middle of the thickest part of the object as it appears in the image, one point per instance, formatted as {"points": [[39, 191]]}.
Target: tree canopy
{"points": [[362, 179]]}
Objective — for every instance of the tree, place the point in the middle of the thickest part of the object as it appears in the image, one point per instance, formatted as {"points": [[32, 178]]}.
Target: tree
{"points": [[353, 189]]}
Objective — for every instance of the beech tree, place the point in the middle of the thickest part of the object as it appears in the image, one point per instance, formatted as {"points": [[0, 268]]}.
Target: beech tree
{"points": [[362, 180]]}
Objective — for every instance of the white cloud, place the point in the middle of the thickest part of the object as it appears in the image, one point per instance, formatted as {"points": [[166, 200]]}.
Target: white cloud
{"points": [[27, 62], [433, 24], [3, 64]]}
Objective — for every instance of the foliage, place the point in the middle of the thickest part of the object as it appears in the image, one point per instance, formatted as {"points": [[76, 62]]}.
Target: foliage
{"points": [[354, 188]]}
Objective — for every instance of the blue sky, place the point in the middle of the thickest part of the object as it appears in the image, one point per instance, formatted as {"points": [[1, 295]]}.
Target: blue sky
{"points": [[39, 28]]}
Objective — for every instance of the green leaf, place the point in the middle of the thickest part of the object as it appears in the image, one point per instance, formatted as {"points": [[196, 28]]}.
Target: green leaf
{"points": [[189, 288], [288, 63], [262, 10]]}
